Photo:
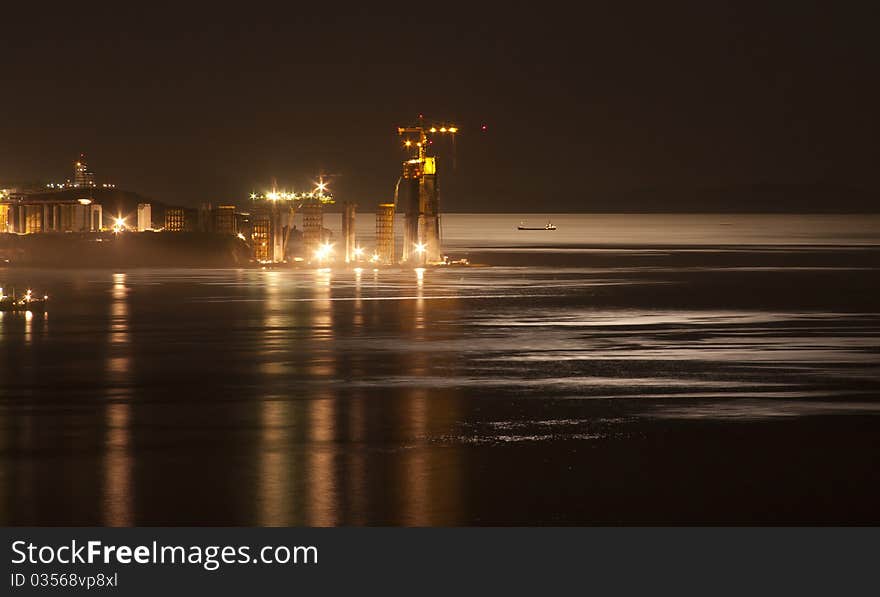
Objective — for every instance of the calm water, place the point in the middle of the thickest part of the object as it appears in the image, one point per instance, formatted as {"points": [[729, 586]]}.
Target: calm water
{"points": [[623, 369]]}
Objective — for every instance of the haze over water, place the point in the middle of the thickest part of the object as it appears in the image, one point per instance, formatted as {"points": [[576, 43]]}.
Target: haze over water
{"points": [[622, 369]]}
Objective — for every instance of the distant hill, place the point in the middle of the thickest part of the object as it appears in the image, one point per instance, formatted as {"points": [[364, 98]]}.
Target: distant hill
{"points": [[115, 202]]}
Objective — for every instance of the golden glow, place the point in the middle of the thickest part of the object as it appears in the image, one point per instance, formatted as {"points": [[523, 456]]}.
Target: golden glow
{"points": [[323, 252], [320, 193], [433, 130], [453, 129], [430, 166], [241, 236], [407, 143], [84, 201], [442, 129], [358, 252], [420, 247], [118, 225], [374, 258]]}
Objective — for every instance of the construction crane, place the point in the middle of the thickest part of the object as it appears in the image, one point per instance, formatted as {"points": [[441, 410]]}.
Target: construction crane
{"points": [[416, 135]]}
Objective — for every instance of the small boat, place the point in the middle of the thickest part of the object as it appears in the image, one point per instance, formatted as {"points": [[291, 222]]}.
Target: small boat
{"points": [[549, 226], [28, 302]]}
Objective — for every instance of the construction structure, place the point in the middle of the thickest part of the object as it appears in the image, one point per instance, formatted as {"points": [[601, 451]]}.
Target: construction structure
{"points": [[418, 194], [272, 216], [384, 234], [349, 238]]}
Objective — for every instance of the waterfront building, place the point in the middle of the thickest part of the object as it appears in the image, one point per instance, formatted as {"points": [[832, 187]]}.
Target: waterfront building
{"points": [[144, 217], [23, 213], [225, 220], [175, 219]]}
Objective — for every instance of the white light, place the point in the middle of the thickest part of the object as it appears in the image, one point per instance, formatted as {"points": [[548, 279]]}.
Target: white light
{"points": [[323, 252], [420, 247]]}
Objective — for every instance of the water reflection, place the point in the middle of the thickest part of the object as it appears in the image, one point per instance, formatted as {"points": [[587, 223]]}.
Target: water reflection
{"points": [[322, 407], [275, 508], [274, 486], [117, 469], [446, 396]]}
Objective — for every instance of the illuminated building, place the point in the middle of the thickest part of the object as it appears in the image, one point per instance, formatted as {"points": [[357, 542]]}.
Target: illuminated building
{"points": [[144, 217], [175, 219], [385, 233], [24, 214], [82, 176], [244, 224], [261, 237]]}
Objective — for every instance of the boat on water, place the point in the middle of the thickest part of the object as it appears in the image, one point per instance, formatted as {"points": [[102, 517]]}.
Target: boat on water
{"points": [[548, 226], [28, 302]]}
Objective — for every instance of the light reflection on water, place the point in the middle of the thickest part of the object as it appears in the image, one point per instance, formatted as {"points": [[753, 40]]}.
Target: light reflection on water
{"points": [[339, 397]]}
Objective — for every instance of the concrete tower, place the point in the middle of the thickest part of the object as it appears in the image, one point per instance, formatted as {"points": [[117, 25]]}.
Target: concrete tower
{"points": [[418, 194]]}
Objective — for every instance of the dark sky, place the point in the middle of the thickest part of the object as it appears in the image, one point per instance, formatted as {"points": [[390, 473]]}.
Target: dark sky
{"points": [[188, 106]]}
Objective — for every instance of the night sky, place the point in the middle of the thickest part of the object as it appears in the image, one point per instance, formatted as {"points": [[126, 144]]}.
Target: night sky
{"points": [[583, 109]]}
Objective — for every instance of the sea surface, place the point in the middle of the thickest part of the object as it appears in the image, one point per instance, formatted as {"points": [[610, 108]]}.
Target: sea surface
{"points": [[624, 369]]}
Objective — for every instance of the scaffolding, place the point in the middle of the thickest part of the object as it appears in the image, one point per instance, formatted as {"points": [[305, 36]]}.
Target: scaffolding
{"points": [[262, 234], [313, 228]]}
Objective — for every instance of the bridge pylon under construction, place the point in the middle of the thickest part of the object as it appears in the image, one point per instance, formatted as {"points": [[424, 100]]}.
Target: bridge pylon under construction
{"points": [[417, 192]]}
